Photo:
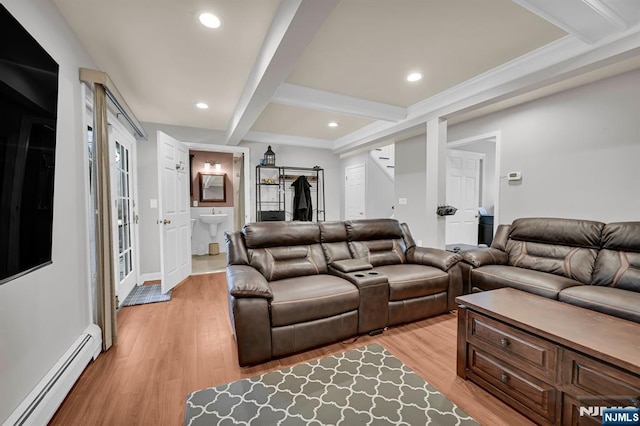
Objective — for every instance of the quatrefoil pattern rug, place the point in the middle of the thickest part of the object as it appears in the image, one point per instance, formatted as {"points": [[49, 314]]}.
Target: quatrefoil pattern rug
{"points": [[365, 386]]}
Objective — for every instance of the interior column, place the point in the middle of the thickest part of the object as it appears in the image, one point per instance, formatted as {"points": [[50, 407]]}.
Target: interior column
{"points": [[436, 181]]}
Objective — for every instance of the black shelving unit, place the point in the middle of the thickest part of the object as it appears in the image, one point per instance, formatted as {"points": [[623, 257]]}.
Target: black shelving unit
{"points": [[274, 194]]}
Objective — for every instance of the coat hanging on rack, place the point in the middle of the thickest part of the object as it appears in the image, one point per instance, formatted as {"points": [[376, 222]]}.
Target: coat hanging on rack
{"points": [[302, 208]]}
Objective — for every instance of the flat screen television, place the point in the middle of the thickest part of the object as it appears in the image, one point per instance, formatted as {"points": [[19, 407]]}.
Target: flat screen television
{"points": [[28, 112]]}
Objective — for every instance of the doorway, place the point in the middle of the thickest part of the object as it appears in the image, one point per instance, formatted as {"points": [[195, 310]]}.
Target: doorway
{"points": [[482, 152], [237, 215]]}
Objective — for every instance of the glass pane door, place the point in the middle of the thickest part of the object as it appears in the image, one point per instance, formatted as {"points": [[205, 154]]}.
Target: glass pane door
{"points": [[123, 199]]}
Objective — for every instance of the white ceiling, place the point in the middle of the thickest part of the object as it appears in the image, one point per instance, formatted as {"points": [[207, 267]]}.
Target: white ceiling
{"points": [[281, 70]]}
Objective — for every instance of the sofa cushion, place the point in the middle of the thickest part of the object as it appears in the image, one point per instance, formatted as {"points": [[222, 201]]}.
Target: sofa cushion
{"points": [[270, 234], [570, 262], [565, 232], [373, 229], [379, 252], [334, 241], [620, 303], [311, 297], [490, 277], [618, 263], [565, 247], [409, 280], [277, 263]]}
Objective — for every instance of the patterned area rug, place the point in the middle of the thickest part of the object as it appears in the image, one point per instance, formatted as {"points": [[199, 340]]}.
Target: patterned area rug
{"points": [[143, 294], [365, 386]]}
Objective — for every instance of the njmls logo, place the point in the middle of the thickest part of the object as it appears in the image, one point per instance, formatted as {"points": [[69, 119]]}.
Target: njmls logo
{"points": [[613, 416], [595, 411]]}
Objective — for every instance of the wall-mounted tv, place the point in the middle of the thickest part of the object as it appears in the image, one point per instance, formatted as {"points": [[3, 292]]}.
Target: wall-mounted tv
{"points": [[28, 112]]}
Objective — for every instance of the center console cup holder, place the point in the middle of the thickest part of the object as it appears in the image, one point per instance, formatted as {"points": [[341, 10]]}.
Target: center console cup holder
{"points": [[372, 273], [359, 275]]}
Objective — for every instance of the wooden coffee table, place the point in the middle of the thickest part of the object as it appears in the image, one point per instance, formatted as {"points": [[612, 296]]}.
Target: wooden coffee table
{"points": [[546, 358]]}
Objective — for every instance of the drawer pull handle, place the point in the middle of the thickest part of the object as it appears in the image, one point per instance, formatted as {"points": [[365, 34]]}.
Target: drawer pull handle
{"points": [[504, 342], [504, 378]]}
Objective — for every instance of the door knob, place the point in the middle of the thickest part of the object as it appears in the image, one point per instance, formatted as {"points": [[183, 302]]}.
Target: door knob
{"points": [[166, 221]]}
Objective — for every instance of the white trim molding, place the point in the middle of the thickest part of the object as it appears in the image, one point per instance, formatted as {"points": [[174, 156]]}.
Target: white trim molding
{"points": [[43, 401]]}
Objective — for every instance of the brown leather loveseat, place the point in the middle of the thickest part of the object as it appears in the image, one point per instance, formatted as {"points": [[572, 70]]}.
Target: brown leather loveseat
{"points": [[296, 285], [585, 263]]}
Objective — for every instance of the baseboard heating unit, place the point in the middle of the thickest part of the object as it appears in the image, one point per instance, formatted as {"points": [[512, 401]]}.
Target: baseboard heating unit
{"points": [[41, 404]]}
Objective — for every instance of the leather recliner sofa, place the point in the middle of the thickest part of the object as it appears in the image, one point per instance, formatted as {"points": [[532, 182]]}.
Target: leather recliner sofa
{"points": [[297, 285], [585, 263]]}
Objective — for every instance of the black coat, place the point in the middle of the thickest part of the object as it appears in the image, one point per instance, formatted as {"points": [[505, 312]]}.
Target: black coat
{"points": [[302, 208]]}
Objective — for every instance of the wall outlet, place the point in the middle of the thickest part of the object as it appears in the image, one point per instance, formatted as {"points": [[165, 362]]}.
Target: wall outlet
{"points": [[195, 203], [402, 201]]}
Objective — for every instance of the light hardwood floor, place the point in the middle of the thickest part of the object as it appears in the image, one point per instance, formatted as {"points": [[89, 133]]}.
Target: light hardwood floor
{"points": [[166, 350]]}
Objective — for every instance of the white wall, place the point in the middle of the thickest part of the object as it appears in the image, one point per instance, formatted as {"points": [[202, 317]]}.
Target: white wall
{"points": [[410, 178], [578, 152], [295, 156], [379, 197], [44, 312]]}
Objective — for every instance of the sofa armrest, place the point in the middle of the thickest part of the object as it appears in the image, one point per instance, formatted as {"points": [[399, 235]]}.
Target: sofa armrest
{"points": [[351, 265], [246, 281], [440, 259], [485, 256], [373, 312]]}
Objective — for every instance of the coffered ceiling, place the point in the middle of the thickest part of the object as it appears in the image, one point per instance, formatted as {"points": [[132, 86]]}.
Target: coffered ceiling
{"points": [[280, 71]]}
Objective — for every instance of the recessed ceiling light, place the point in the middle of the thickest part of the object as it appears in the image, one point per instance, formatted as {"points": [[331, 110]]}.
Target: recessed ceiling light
{"points": [[202, 105], [209, 20], [414, 76], [333, 124]]}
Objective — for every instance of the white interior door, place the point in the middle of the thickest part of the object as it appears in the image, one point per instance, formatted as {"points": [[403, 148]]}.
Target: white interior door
{"points": [[463, 193], [121, 152], [354, 192], [174, 215]]}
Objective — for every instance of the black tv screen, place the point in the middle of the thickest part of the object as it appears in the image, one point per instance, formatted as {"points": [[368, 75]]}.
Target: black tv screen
{"points": [[28, 111]]}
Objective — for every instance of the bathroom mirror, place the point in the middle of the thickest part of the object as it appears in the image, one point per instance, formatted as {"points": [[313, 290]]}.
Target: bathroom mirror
{"points": [[213, 187]]}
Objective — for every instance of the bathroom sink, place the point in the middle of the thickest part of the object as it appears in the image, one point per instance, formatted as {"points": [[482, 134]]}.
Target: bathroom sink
{"points": [[213, 218], [214, 221]]}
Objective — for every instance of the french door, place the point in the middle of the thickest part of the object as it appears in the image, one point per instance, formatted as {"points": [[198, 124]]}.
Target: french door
{"points": [[122, 153]]}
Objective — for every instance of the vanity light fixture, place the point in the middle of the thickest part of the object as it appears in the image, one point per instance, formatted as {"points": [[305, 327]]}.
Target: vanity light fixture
{"points": [[208, 165], [414, 76], [333, 124], [209, 20], [202, 105]]}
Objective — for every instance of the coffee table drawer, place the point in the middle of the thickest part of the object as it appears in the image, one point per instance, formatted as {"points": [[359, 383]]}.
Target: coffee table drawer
{"points": [[530, 391], [583, 376], [520, 348]]}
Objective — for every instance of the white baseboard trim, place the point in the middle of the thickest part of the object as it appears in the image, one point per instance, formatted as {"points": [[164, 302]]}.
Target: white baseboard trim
{"points": [[41, 404], [153, 276]]}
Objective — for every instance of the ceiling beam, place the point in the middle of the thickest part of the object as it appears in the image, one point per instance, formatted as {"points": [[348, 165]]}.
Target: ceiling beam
{"points": [[588, 20], [555, 62], [295, 24], [279, 139], [305, 97]]}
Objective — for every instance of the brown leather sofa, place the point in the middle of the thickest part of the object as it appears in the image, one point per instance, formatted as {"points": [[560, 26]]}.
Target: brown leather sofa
{"points": [[296, 285], [585, 263]]}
